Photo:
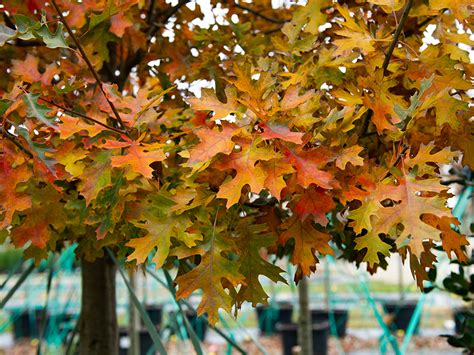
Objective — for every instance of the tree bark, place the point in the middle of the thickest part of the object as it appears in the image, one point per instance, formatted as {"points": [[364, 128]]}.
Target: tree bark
{"points": [[98, 328], [304, 324], [133, 321]]}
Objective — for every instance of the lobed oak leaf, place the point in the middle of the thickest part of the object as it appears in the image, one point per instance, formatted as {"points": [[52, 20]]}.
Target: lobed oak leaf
{"points": [[314, 202], [308, 165], [272, 131], [71, 125], [424, 156], [373, 245], [36, 110], [350, 155], [356, 35], [308, 241], [209, 102], [119, 23], [275, 170], [96, 177], [27, 70], [451, 240], [248, 171], [213, 271], [35, 228], [460, 9], [382, 103], [137, 158], [11, 199], [250, 241], [213, 142], [292, 99], [69, 155], [160, 230], [412, 205]]}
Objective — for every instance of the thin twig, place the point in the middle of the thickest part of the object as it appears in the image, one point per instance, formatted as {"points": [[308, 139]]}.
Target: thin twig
{"points": [[367, 116], [397, 160], [398, 31], [89, 64], [259, 14], [386, 61], [72, 112], [165, 16], [81, 115]]}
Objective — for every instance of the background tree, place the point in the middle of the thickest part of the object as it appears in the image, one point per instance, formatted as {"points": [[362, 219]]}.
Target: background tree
{"points": [[329, 112]]}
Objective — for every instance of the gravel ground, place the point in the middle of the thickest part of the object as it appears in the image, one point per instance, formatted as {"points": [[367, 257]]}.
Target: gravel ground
{"points": [[350, 345]]}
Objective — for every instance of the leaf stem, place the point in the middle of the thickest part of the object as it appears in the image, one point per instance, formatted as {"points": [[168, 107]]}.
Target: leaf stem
{"points": [[398, 31], [89, 64], [72, 112], [259, 14]]}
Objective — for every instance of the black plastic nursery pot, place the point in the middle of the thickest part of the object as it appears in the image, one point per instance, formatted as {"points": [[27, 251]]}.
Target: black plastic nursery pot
{"points": [[339, 316], [199, 324], [26, 323], [146, 342], [289, 337], [402, 312], [269, 316], [155, 312], [460, 316]]}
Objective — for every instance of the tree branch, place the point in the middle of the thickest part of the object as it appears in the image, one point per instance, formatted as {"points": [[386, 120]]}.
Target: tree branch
{"points": [[397, 160], [259, 14], [386, 61], [165, 16], [75, 113], [398, 31], [89, 64]]}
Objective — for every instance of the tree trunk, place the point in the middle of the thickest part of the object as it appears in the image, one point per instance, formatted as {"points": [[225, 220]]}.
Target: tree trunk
{"points": [[98, 328], [133, 320], [304, 323]]}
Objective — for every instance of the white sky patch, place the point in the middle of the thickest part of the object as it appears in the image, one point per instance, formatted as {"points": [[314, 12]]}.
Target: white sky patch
{"points": [[196, 86]]}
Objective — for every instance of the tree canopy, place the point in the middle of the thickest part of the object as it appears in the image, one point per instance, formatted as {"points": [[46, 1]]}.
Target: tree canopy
{"points": [[319, 131]]}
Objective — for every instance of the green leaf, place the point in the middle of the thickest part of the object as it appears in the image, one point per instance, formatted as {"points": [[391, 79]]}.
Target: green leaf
{"points": [[52, 40], [39, 149], [6, 34], [37, 110], [25, 26], [4, 105]]}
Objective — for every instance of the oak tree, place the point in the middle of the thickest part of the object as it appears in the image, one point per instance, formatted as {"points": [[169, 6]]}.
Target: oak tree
{"points": [[319, 131]]}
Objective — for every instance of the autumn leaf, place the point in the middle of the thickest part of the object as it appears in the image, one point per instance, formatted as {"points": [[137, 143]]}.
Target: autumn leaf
{"points": [[452, 241], [213, 142], [272, 131], [11, 199], [213, 270], [137, 158], [252, 239], [350, 155], [209, 102], [308, 241], [315, 202], [276, 170], [96, 177], [160, 230], [38, 111], [424, 156], [248, 171], [309, 164], [373, 245]]}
